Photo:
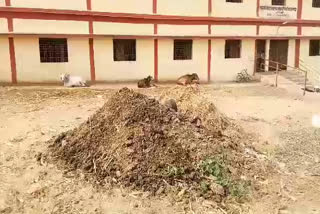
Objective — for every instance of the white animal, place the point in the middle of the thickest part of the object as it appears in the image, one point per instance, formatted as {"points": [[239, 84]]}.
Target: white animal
{"points": [[72, 81]]}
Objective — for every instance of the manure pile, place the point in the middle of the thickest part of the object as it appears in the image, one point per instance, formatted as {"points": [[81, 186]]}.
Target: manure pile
{"points": [[137, 142]]}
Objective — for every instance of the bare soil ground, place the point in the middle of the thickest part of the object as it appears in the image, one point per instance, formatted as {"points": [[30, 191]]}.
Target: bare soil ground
{"points": [[29, 116]]}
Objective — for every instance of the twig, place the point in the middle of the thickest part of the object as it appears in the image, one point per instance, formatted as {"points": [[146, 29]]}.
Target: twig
{"points": [[191, 207], [94, 166], [111, 158], [222, 210]]}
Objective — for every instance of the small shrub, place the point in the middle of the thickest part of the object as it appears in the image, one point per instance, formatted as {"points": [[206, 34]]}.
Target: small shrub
{"points": [[204, 186], [217, 168]]}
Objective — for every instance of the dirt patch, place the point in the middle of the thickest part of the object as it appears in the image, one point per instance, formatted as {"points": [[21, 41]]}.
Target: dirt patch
{"points": [[135, 141], [300, 152]]}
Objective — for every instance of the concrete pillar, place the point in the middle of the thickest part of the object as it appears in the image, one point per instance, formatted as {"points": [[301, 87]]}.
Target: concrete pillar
{"points": [[266, 68]]}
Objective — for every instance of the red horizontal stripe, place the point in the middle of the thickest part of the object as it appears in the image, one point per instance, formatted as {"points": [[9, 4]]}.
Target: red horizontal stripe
{"points": [[155, 36], [51, 14]]}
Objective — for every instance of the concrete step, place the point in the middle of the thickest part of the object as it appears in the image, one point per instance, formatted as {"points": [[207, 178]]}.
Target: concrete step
{"points": [[296, 77]]}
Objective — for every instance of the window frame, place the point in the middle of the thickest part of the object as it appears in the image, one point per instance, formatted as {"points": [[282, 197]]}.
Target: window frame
{"points": [[275, 3], [315, 4], [238, 53], [127, 57], [53, 50], [234, 1], [188, 53], [312, 52]]}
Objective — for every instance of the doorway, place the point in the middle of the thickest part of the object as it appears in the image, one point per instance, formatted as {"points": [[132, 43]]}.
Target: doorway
{"points": [[260, 55], [278, 53]]}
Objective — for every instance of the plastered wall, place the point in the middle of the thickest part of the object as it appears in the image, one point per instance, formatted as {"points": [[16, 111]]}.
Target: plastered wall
{"points": [[170, 69], [183, 8], [291, 52], [247, 8], [50, 26], [313, 62], [112, 28], [292, 14], [123, 6], [51, 4], [311, 31], [226, 69], [226, 30], [309, 12], [5, 68], [277, 31], [30, 69], [109, 70], [183, 30], [3, 25]]}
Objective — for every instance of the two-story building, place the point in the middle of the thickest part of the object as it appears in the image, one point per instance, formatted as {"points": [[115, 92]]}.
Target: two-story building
{"points": [[124, 40]]}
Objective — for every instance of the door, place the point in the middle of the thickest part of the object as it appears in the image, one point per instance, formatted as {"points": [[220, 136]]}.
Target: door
{"points": [[278, 53], [260, 55]]}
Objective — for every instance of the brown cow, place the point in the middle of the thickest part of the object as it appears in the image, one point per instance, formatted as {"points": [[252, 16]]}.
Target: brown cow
{"points": [[189, 79]]}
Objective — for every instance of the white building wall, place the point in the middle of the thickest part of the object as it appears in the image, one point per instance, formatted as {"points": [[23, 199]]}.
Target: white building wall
{"points": [[292, 14], [123, 6], [3, 25], [109, 70], [112, 28], [30, 69], [50, 26], [247, 8], [170, 69], [277, 31], [311, 31], [51, 4], [231, 30], [226, 69], [183, 30], [5, 67], [183, 8], [309, 12], [292, 52], [312, 62]]}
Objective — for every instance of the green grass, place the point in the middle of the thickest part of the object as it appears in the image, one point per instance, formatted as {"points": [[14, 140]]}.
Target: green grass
{"points": [[217, 168]]}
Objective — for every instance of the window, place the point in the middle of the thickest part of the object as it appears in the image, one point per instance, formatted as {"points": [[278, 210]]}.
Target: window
{"points": [[279, 2], [314, 49], [124, 50], [234, 1], [315, 3], [53, 50], [182, 49], [233, 49]]}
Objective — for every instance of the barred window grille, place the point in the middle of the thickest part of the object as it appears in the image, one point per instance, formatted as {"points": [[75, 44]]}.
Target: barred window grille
{"points": [[234, 1], [182, 49], [279, 2], [233, 49], [314, 49], [124, 50], [315, 3], [53, 50]]}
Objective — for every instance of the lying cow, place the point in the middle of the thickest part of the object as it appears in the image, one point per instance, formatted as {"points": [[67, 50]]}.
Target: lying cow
{"points": [[146, 82], [188, 79], [72, 81]]}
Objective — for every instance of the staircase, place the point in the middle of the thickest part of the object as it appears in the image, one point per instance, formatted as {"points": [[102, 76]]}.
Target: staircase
{"points": [[306, 76], [297, 77]]}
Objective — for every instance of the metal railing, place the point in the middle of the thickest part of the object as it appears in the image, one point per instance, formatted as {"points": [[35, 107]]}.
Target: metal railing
{"points": [[314, 73], [277, 68]]}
